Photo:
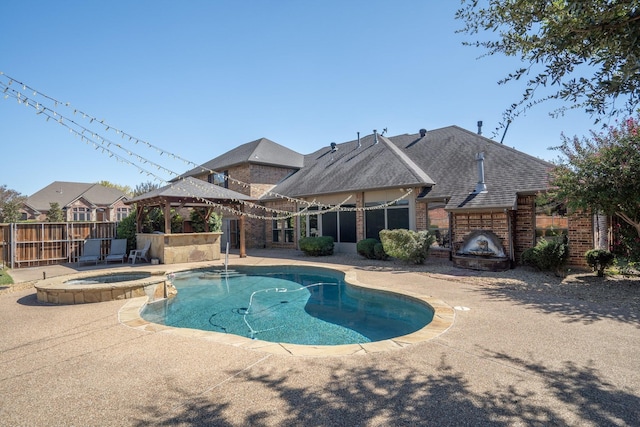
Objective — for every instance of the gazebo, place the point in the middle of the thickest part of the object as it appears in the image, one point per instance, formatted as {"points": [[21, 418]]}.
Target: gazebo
{"points": [[189, 192]]}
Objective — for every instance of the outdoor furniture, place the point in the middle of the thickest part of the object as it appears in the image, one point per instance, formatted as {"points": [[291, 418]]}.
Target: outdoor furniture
{"points": [[90, 251], [140, 253], [118, 251]]}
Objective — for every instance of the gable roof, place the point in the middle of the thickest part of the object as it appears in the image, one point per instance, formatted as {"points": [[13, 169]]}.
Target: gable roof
{"points": [[261, 151], [353, 167], [65, 193]]}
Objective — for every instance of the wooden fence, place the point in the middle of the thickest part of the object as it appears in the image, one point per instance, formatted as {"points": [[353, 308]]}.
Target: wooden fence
{"points": [[27, 244]]}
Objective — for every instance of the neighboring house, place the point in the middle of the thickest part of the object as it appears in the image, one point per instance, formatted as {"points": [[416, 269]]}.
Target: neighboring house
{"points": [[78, 201], [449, 180]]}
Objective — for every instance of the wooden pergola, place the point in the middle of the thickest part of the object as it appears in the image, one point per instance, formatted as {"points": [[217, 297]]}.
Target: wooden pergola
{"points": [[192, 193]]}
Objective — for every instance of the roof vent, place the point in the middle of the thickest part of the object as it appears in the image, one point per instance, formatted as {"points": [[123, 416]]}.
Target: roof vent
{"points": [[479, 127], [481, 187], [333, 147], [375, 135], [423, 133], [359, 145]]}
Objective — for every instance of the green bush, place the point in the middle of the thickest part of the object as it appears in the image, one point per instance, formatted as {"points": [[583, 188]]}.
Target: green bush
{"points": [[407, 245], [378, 251], [599, 260], [197, 221], [371, 249], [127, 230], [316, 246], [547, 255]]}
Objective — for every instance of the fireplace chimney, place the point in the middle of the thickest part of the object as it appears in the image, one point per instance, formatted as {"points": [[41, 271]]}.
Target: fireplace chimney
{"points": [[481, 187]]}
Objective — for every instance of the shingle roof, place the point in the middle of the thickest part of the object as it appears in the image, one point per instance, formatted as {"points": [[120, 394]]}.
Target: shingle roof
{"points": [[261, 151], [444, 159], [351, 167], [449, 156], [65, 193], [191, 189]]}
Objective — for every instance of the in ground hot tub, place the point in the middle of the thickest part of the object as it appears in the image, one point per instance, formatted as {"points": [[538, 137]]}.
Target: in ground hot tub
{"points": [[92, 287]]}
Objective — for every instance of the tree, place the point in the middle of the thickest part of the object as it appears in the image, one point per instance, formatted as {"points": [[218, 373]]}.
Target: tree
{"points": [[145, 187], [55, 214], [124, 188], [601, 173], [10, 203], [587, 50]]}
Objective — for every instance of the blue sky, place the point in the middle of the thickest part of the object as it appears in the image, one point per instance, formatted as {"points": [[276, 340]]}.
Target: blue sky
{"points": [[198, 78]]}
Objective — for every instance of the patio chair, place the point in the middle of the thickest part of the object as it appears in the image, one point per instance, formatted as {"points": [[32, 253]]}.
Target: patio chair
{"points": [[118, 251], [140, 253], [90, 251]]}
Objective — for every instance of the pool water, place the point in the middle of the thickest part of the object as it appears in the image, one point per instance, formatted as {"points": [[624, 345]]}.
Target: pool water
{"points": [[297, 305]]}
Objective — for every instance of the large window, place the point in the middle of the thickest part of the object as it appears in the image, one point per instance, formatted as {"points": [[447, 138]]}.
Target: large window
{"points": [[386, 217], [81, 214], [282, 230], [341, 225]]}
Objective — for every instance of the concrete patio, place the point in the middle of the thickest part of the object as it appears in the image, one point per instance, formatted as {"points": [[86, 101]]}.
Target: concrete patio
{"points": [[513, 356]]}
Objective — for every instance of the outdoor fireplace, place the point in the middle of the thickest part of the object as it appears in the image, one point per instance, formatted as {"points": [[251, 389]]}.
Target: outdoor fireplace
{"points": [[482, 250]]}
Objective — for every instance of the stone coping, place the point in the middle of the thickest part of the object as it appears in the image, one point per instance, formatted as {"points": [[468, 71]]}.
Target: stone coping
{"points": [[443, 318], [56, 290]]}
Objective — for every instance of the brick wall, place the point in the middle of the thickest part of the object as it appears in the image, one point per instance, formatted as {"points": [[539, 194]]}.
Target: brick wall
{"points": [[580, 238], [524, 225], [464, 223]]}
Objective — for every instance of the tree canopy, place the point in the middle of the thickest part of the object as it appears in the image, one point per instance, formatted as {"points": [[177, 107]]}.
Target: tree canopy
{"points": [[601, 172], [586, 51], [10, 203]]}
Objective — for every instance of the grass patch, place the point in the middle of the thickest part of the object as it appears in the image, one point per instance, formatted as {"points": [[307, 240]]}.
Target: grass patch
{"points": [[5, 279]]}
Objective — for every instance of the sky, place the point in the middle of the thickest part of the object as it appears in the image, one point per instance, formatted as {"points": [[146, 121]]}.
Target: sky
{"points": [[177, 83]]}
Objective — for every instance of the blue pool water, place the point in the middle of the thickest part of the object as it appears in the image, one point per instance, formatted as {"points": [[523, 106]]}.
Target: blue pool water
{"points": [[298, 305]]}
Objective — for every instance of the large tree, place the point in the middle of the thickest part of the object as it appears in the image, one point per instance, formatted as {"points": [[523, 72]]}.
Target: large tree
{"points": [[10, 203], [585, 52], [601, 173]]}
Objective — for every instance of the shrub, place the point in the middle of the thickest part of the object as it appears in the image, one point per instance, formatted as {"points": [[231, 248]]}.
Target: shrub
{"points": [[547, 255], [127, 230], [316, 246], [599, 260], [371, 249], [407, 245]]}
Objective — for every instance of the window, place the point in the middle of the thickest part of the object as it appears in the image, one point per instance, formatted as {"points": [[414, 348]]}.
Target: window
{"points": [[551, 220], [81, 214], [341, 225], [282, 230], [220, 179], [438, 220], [389, 217], [122, 213]]}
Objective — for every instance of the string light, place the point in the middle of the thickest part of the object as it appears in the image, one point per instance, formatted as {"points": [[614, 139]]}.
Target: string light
{"points": [[99, 142]]}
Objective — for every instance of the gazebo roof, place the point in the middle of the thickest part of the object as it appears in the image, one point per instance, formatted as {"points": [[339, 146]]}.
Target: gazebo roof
{"points": [[189, 191]]}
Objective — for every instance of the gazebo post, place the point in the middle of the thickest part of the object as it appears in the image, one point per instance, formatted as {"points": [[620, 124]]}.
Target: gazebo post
{"points": [[167, 217], [243, 251]]}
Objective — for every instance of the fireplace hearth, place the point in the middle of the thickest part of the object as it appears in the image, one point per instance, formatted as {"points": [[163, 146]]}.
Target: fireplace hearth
{"points": [[482, 250]]}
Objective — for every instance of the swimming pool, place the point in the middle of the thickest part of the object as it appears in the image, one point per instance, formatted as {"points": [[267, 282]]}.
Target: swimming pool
{"points": [[287, 304]]}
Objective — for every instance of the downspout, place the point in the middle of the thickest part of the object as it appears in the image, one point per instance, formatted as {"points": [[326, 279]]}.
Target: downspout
{"points": [[450, 235], [511, 240]]}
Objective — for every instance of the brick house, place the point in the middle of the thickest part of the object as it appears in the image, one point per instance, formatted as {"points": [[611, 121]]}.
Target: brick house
{"points": [[449, 180], [78, 201]]}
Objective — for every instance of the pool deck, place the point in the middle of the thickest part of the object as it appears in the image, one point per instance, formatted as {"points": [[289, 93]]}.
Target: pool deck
{"points": [[509, 358]]}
